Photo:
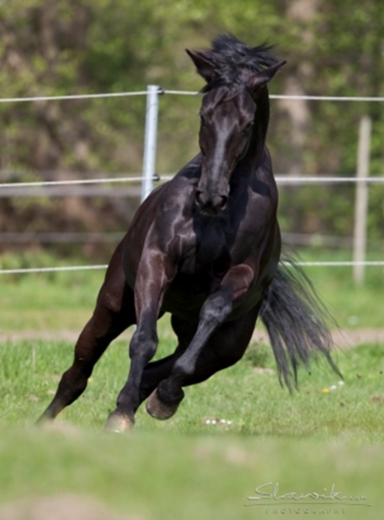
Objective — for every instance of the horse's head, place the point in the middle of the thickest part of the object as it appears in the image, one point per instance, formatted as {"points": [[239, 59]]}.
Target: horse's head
{"points": [[228, 119]]}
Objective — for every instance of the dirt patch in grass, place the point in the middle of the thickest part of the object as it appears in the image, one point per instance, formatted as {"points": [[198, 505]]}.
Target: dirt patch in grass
{"points": [[342, 338], [60, 507], [47, 335]]}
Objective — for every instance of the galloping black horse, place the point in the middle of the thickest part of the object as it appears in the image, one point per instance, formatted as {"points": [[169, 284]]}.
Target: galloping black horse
{"points": [[204, 247]]}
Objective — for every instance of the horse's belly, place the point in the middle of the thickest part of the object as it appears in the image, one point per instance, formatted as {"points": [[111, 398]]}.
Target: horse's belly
{"points": [[187, 295], [184, 305]]}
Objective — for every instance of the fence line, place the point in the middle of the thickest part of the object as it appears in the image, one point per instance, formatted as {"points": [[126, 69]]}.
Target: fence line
{"points": [[73, 237], [286, 180], [315, 179], [54, 269], [327, 180], [368, 263], [72, 97], [161, 91], [327, 98], [158, 178], [292, 97], [72, 182], [64, 237], [91, 237], [104, 266]]}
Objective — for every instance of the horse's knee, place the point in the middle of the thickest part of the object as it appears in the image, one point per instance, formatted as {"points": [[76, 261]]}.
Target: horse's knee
{"points": [[143, 344], [217, 307]]}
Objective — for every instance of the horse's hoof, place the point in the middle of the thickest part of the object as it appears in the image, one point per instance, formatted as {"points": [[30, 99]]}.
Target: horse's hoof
{"points": [[117, 423], [158, 409], [43, 421]]}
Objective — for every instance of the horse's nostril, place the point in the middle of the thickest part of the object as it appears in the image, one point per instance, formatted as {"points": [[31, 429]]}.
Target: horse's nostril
{"points": [[223, 202], [201, 198], [210, 204]]}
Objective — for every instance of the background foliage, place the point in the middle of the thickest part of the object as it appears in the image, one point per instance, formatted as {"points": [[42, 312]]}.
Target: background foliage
{"points": [[53, 47]]}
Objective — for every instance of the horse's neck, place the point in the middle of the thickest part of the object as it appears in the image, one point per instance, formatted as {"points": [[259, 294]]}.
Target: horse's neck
{"points": [[255, 155]]}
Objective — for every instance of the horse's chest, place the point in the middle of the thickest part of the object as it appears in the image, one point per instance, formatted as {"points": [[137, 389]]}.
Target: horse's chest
{"points": [[213, 250], [200, 272], [208, 254]]}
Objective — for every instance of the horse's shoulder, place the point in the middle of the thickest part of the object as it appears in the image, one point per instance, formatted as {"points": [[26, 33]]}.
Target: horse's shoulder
{"points": [[176, 197]]}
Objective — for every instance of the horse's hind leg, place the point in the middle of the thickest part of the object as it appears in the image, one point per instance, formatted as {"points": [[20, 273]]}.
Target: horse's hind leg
{"points": [[114, 312]]}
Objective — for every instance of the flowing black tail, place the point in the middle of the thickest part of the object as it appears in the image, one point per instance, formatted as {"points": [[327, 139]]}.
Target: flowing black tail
{"points": [[295, 321]]}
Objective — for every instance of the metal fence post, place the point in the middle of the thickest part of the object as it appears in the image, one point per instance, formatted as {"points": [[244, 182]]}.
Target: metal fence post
{"points": [[150, 138]]}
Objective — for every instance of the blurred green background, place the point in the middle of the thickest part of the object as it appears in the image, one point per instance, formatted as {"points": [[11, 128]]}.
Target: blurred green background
{"points": [[55, 47]]}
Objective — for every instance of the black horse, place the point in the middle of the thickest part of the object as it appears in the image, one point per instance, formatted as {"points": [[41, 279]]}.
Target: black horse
{"points": [[204, 247]]}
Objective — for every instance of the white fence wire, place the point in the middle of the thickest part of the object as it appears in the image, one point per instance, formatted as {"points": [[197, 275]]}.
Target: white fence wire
{"points": [[280, 179], [161, 91], [72, 97], [71, 182], [368, 263]]}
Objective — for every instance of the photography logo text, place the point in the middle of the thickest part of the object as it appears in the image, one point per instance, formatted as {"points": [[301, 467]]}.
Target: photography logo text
{"points": [[329, 501]]}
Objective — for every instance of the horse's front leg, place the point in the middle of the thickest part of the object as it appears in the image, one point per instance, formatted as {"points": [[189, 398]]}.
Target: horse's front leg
{"points": [[114, 313], [164, 401], [152, 280]]}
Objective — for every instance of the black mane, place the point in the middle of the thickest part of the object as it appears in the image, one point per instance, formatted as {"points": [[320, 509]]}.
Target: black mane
{"points": [[233, 53], [230, 55]]}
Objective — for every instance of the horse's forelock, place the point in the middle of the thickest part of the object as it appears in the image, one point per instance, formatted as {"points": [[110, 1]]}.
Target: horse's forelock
{"points": [[230, 55], [232, 52]]}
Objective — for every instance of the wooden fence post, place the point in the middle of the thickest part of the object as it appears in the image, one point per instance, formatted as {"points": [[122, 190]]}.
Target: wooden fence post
{"points": [[361, 200]]}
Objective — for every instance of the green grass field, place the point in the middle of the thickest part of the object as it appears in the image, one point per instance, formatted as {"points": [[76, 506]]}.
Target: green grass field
{"points": [[327, 438]]}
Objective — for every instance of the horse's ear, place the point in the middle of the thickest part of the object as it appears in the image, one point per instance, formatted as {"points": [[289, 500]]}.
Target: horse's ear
{"points": [[204, 64], [255, 80]]}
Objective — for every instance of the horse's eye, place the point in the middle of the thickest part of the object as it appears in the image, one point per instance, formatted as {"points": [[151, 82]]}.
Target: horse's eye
{"points": [[248, 127], [203, 121]]}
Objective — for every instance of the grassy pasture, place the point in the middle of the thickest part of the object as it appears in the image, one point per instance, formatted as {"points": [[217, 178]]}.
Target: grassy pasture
{"points": [[62, 300], [247, 394], [194, 465], [189, 466]]}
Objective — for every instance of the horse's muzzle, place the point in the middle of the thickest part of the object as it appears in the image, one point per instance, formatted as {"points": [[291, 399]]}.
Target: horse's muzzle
{"points": [[210, 204]]}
